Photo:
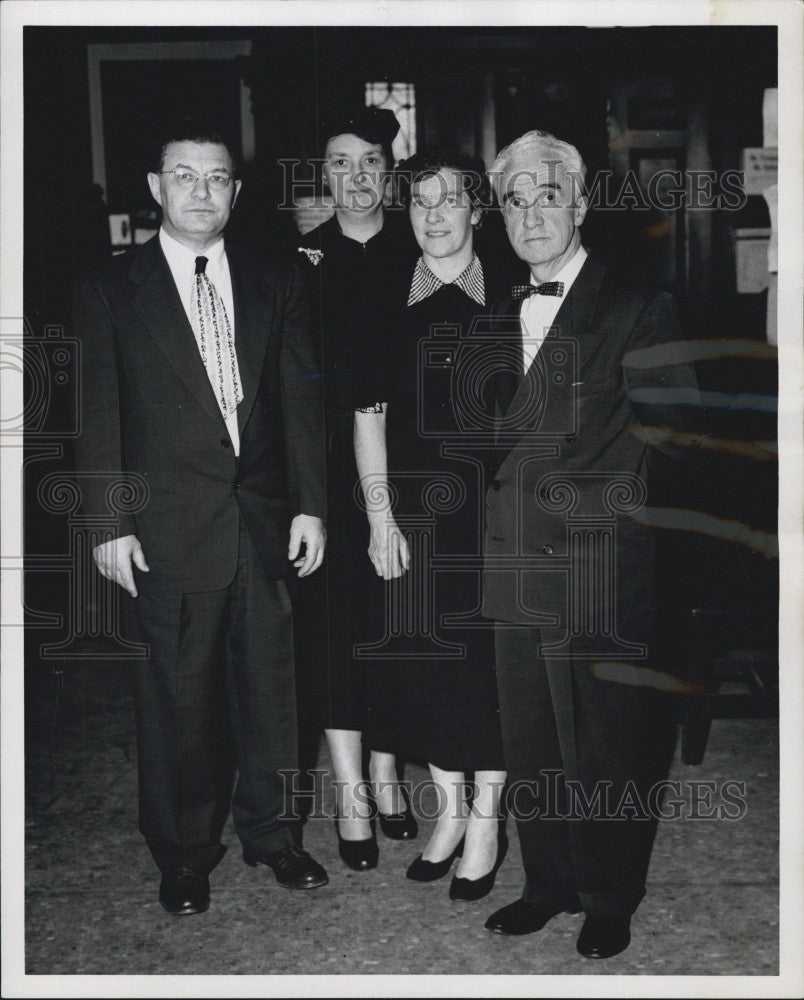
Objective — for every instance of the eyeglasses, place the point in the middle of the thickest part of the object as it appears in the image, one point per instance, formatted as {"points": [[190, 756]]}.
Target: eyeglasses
{"points": [[186, 178]]}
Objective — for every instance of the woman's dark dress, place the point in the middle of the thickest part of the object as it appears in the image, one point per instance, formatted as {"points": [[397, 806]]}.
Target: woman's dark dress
{"points": [[351, 292], [431, 691]]}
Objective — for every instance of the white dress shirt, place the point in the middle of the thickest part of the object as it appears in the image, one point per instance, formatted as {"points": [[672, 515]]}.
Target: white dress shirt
{"points": [[181, 261], [539, 311]]}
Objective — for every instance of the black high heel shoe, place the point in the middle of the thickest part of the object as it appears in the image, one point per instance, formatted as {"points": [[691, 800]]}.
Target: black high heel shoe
{"points": [[430, 871], [467, 890], [400, 826], [359, 855]]}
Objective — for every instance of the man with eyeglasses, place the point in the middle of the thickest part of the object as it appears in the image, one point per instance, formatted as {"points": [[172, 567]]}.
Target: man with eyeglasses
{"points": [[199, 384]]}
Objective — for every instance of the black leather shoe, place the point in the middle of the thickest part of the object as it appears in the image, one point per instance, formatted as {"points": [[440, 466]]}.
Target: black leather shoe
{"points": [[294, 868], [467, 890], [400, 826], [522, 917], [359, 855], [430, 871], [604, 936], [184, 892]]}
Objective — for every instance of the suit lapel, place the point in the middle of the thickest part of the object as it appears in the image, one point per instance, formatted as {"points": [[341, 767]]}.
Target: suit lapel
{"points": [[253, 308], [159, 306], [576, 317], [574, 321], [508, 378]]}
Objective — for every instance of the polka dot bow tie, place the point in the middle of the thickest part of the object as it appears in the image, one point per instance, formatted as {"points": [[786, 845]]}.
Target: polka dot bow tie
{"points": [[519, 292]]}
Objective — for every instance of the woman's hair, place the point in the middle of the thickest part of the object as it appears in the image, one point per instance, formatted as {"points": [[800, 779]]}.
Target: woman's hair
{"points": [[429, 162], [378, 126]]}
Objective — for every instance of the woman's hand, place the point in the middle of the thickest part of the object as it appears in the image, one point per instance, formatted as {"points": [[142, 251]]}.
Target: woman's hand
{"points": [[388, 549]]}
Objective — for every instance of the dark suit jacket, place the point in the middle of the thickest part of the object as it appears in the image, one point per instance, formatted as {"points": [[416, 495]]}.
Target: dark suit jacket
{"points": [[571, 445], [148, 408]]}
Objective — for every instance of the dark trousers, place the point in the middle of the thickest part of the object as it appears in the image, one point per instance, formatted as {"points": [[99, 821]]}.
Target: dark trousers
{"points": [[600, 728], [215, 696]]}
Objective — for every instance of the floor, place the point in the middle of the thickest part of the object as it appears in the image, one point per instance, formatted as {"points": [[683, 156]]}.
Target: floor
{"points": [[90, 885]]}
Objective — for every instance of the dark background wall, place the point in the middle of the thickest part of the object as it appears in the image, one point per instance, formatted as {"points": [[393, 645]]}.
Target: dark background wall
{"points": [[476, 87]]}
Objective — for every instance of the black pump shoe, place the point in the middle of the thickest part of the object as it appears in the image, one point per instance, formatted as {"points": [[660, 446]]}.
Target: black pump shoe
{"points": [[359, 855], [430, 871], [400, 826], [467, 890]]}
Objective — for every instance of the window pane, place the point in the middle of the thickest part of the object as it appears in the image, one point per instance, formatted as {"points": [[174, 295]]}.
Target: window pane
{"points": [[401, 99]]}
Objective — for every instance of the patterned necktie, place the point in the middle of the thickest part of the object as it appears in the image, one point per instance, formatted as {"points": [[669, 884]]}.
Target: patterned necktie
{"points": [[519, 292], [213, 332]]}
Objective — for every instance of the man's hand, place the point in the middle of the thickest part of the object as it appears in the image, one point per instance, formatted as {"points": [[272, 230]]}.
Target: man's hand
{"points": [[388, 549], [114, 559], [311, 531]]}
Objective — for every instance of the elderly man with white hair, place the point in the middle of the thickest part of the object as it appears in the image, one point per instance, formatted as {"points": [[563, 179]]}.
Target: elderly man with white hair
{"points": [[587, 393]]}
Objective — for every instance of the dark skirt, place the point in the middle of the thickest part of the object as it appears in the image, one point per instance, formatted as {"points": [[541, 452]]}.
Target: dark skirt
{"points": [[328, 613], [431, 688]]}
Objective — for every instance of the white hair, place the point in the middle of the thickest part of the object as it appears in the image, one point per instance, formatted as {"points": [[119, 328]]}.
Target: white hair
{"points": [[543, 147]]}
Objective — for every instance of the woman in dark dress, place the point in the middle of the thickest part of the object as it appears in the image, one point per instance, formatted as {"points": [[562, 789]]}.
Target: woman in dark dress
{"points": [[432, 689], [353, 266]]}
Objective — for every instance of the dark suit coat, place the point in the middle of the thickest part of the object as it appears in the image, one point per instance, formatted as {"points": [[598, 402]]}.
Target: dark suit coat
{"points": [[581, 424], [148, 409]]}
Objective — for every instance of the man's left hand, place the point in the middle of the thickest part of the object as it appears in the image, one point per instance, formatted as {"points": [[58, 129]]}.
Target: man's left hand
{"points": [[311, 531]]}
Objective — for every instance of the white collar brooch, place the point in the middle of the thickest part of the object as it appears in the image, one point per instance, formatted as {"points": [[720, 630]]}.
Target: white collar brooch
{"points": [[314, 256]]}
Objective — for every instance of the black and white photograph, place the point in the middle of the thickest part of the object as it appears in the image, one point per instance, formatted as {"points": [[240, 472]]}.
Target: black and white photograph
{"points": [[402, 498]]}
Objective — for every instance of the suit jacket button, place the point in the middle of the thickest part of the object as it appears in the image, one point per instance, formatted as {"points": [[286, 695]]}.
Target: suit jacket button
{"points": [[496, 485], [235, 484], [548, 550], [226, 443]]}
